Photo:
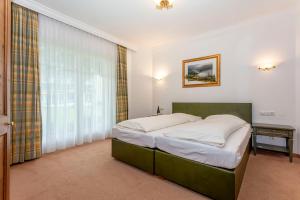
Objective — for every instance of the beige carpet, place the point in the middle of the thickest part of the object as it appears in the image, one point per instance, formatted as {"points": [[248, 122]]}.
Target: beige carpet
{"points": [[89, 173]]}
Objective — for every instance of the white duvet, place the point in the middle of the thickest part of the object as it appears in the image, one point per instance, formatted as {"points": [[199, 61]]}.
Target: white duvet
{"points": [[153, 123], [214, 130]]}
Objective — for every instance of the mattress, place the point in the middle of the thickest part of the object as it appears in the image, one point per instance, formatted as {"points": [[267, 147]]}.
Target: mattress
{"points": [[135, 137], [228, 156]]}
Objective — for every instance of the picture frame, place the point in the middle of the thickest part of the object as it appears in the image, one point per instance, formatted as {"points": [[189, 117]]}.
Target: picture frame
{"points": [[201, 72]]}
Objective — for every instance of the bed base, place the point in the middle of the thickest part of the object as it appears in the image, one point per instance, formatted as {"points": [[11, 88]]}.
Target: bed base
{"points": [[214, 182], [139, 157]]}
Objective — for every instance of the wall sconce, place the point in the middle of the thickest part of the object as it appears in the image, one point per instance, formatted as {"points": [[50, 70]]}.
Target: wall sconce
{"points": [[160, 76], [266, 67]]}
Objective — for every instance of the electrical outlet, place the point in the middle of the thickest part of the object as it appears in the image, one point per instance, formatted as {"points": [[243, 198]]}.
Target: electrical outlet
{"points": [[267, 113]]}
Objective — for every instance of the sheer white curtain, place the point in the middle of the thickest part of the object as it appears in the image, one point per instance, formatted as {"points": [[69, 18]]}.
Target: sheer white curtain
{"points": [[78, 90]]}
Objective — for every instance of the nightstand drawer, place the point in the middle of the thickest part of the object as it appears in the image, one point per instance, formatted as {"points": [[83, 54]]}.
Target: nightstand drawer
{"points": [[273, 132]]}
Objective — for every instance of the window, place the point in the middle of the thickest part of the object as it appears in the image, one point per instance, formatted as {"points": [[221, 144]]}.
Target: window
{"points": [[78, 76]]}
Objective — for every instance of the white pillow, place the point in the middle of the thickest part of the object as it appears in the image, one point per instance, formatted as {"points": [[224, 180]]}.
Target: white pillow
{"points": [[153, 123], [225, 117], [190, 118]]}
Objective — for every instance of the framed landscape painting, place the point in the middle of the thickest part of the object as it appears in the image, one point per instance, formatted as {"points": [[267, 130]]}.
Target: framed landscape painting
{"points": [[201, 72]]}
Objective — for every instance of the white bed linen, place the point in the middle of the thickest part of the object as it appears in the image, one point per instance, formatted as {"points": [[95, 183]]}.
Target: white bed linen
{"points": [[228, 156], [135, 137], [214, 130], [141, 138], [153, 123]]}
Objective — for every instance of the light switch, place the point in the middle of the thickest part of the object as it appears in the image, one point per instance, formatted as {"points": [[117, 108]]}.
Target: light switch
{"points": [[267, 113]]}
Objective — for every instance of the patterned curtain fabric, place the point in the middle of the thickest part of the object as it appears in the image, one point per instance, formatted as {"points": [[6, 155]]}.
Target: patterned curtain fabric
{"points": [[122, 96], [25, 86]]}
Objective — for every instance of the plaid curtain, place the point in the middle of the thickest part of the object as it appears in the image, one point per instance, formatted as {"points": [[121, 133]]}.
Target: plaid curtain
{"points": [[122, 96], [25, 86]]}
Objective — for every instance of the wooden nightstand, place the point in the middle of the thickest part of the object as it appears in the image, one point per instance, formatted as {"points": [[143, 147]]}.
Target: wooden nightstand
{"points": [[271, 130]]}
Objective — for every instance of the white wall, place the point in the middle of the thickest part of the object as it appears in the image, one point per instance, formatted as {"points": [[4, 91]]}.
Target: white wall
{"points": [[243, 48], [140, 82], [297, 91]]}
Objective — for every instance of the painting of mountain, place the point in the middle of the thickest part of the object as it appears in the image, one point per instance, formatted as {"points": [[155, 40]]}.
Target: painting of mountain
{"points": [[200, 72], [204, 71]]}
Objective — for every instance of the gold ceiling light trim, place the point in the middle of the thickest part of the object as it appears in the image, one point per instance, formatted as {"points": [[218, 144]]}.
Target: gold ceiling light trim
{"points": [[164, 4]]}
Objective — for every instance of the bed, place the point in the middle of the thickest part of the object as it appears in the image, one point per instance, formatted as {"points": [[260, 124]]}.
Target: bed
{"points": [[134, 148], [212, 181], [128, 145]]}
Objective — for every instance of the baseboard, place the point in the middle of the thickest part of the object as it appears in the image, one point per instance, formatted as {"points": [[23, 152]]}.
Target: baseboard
{"points": [[296, 155]]}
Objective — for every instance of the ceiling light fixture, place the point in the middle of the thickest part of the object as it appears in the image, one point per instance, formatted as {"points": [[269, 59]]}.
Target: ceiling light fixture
{"points": [[164, 4]]}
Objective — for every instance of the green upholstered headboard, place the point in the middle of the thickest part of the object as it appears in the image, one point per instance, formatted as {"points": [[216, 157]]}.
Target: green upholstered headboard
{"points": [[242, 110]]}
